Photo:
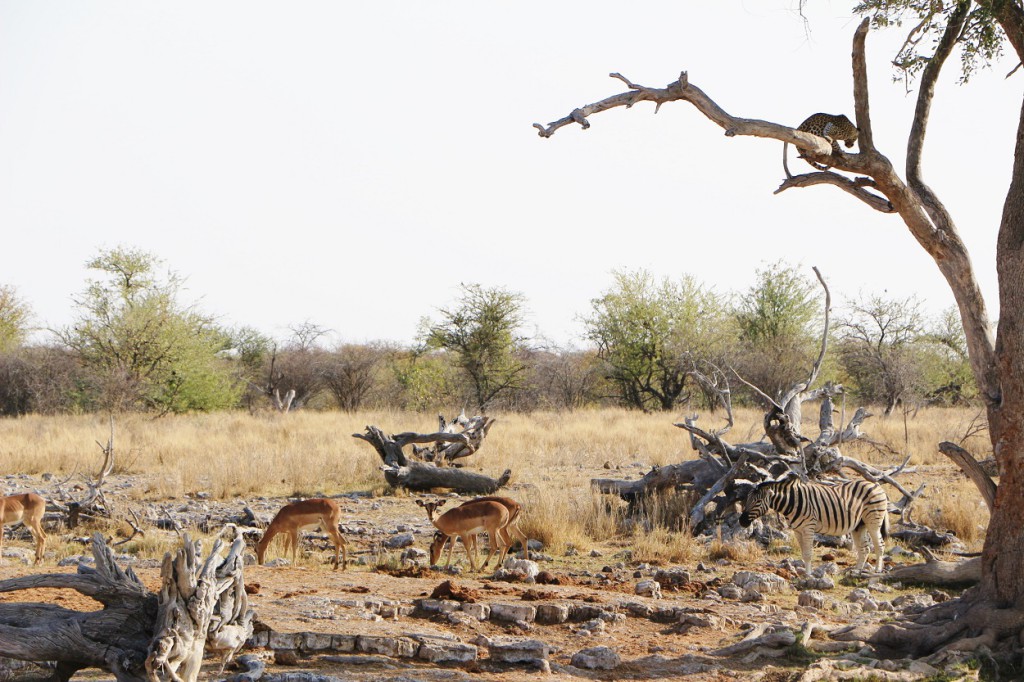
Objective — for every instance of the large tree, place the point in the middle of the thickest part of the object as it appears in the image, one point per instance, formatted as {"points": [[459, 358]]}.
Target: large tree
{"points": [[992, 612], [146, 349], [776, 318], [650, 334]]}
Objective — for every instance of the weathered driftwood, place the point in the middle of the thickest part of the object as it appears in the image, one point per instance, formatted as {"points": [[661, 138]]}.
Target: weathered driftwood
{"points": [[252, 668], [756, 638], [918, 536], [197, 602], [390, 447], [115, 639], [120, 637], [421, 476], [474, 428]]}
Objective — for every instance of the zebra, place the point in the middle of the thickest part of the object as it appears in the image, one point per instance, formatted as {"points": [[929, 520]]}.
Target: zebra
{"points": [[860, 508]]}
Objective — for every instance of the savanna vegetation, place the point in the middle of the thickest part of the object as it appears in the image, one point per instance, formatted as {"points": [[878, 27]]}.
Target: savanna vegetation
{"points": [[235, 455], [138, 346]]}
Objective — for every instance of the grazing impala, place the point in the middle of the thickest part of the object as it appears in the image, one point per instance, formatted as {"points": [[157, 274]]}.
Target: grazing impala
{"points": [[514, 509], [303, 514], [466, 521], [27, 508]]}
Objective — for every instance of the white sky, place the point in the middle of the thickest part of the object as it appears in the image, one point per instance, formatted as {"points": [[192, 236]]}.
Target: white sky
{"points": [[350, 164]]}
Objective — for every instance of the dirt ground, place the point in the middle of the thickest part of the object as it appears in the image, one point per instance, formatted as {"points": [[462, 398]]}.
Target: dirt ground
{"points": [[310, 597]]}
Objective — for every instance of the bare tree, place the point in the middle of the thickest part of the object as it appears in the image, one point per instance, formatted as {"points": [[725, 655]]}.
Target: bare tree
{"points": [[350, 371], [992, 613], [877, 348]]}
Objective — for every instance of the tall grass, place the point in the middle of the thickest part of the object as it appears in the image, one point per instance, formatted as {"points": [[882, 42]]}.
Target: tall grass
{"points": [[553, 455]]}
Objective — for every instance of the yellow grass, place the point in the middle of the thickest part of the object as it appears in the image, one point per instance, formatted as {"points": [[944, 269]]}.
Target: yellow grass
{"points": [[553, 457]]}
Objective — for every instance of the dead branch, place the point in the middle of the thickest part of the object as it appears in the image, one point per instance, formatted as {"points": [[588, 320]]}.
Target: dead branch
{"points": [[682, 90], [970, 466], [698, 473], [390, 447]]}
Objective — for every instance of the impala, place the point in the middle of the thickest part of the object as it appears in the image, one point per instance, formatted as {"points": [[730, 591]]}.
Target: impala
{"points": [[514, 509], [305, 514], [465, 522], [27, 508]]}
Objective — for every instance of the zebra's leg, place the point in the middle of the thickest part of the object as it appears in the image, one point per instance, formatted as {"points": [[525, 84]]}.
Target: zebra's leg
{"points": [[860, 547], [879, 542], [806, 538]]}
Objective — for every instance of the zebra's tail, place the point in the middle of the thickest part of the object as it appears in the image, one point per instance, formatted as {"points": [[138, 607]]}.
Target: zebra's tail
{"points": [[885, 524]]}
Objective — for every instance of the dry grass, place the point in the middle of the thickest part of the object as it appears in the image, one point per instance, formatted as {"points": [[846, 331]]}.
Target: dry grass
{"points": [[553, 457]]}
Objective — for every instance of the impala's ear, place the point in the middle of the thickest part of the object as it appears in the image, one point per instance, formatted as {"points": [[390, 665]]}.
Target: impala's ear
{"points": [[419, 503], [440, 503]]}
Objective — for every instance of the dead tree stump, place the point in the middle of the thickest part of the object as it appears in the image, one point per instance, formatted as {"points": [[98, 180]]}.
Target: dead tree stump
{"points": [[124, 638]]}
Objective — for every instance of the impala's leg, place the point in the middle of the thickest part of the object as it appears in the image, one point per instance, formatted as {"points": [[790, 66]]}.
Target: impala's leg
{"points": [[293, 537], [451, 548], [34, 521], [466, 543], [522, 538], [494, 539], [339, 545]]}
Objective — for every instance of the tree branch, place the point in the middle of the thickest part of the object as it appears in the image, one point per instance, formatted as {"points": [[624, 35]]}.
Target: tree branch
{"points": [[861, 105], [854, 187], [682, 89], [915, 143]]}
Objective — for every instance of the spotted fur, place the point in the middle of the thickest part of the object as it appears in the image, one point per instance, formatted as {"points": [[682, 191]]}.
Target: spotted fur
{"points": [[833, 127]]}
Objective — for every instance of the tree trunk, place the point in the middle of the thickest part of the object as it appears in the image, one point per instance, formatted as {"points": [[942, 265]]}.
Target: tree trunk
{"points": [[698, 472], [1003, 555]]}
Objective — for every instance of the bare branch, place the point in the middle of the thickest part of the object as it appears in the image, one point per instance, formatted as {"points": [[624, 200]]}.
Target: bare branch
{"points": [[967, 462], [854, 187], [683, 90], [915, 143]]}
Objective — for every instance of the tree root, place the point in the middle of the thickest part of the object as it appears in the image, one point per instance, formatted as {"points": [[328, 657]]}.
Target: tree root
{"points": [[960, 625]]}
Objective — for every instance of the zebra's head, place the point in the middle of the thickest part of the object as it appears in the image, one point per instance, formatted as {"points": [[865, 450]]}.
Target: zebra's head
{"points": [[757, 503]]}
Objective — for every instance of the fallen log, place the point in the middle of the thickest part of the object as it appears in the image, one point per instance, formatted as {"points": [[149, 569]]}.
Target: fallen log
{"points": [[697, 472], [420, 476], [936, 572], [390, 447]]}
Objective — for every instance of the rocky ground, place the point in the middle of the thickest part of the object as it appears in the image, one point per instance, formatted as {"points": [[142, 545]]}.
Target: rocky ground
{"points": [[591, 614]]}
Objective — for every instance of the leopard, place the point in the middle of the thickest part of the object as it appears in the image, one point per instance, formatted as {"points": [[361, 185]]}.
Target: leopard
{"points": [[833, 127]]}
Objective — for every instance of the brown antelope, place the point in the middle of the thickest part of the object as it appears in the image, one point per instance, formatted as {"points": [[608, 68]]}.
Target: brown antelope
{"points": [[305, 514], [514, 509], [466, 521], [27, 508]]}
